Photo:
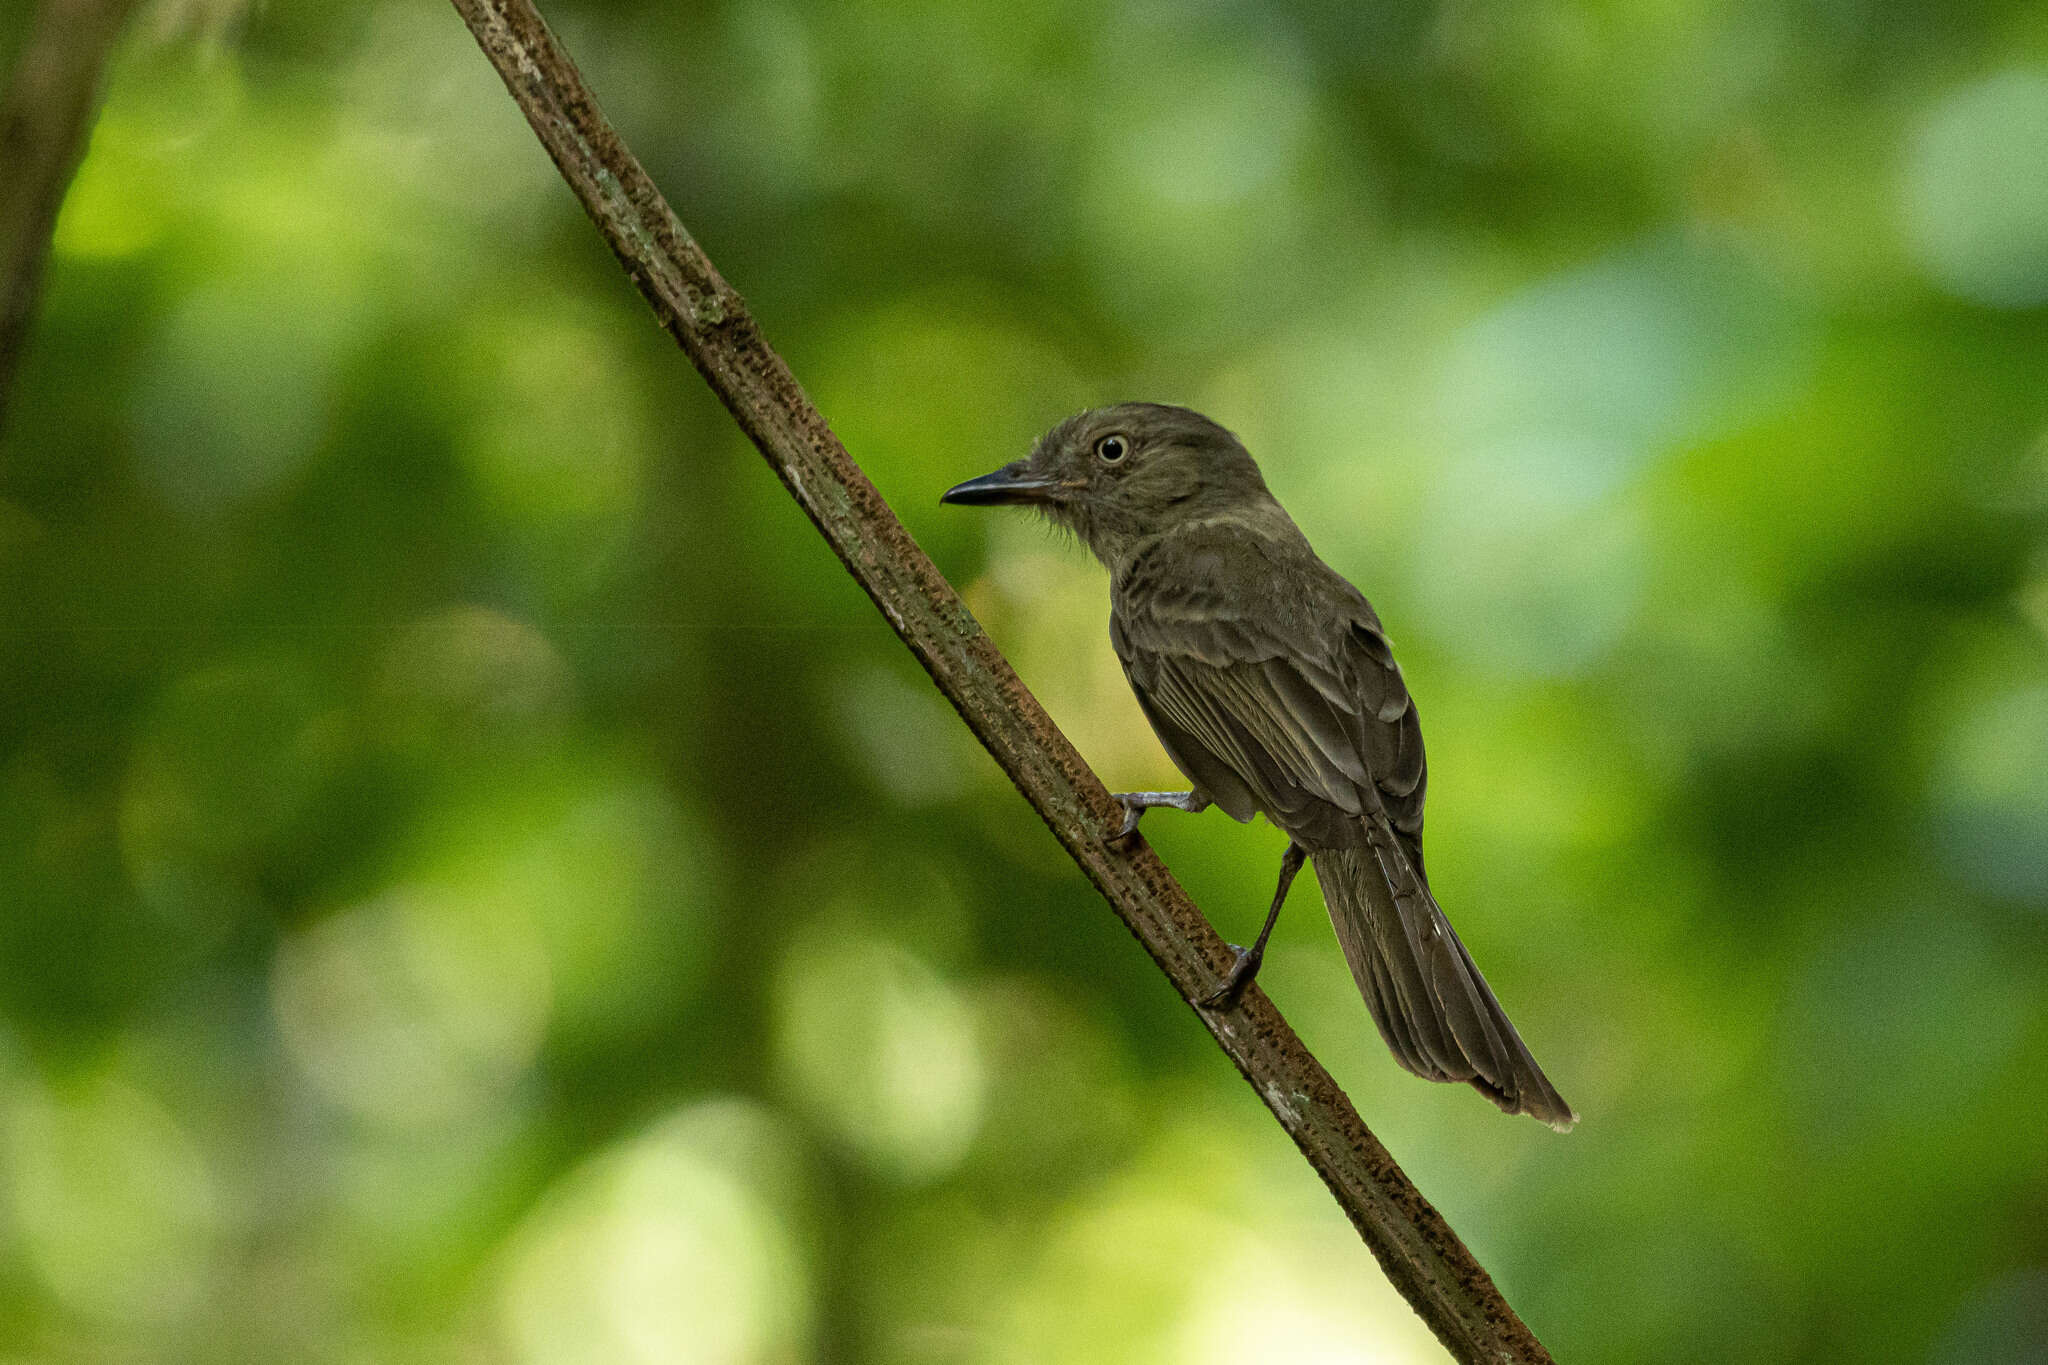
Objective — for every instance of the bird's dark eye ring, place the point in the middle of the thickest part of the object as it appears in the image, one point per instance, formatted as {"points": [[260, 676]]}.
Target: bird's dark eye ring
{"points": [[1112, 448]]}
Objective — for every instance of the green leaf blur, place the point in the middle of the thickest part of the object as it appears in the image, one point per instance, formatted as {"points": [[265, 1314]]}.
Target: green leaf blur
{"points": [[479, 884]]}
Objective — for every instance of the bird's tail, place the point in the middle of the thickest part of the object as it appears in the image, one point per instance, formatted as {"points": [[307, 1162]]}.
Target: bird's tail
{"points": [[1429, 1000]]}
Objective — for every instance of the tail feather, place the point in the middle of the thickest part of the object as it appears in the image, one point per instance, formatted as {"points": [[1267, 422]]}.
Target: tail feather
{"points": [[1432, 1006]]}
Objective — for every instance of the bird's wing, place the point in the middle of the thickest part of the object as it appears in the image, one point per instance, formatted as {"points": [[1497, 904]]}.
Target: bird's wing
{"points": [[1299, 721], [1316, 729]]}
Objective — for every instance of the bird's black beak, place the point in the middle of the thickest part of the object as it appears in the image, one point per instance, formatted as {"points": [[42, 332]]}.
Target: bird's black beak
{"points": [[1013, 483]]}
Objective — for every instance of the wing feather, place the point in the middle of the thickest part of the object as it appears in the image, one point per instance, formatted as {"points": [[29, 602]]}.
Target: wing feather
{"points": [[1302, 721]]}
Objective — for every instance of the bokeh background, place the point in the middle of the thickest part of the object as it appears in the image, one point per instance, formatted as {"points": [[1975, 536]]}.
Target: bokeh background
{"points": [[478, 884]]}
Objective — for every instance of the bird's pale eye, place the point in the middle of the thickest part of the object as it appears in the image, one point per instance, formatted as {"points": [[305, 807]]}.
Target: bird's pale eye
{"points": [[1112, 448]]}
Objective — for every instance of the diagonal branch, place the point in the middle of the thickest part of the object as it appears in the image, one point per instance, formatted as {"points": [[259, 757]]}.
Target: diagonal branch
{"points": [[1420, 1254]]}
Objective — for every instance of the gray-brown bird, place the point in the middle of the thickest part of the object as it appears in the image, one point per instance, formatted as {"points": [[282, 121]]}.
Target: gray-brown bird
{"points": [[1270, 682]]}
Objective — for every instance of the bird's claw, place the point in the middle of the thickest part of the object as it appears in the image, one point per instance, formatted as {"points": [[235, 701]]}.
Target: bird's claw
{"points": [[1136, 804], [1232, 990]]}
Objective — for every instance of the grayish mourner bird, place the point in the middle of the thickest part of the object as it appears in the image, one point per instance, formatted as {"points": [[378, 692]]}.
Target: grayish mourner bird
{"points": [[1271, 684]]}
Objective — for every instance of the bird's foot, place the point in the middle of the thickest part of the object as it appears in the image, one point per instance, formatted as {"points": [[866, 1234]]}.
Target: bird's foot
{"points": [[1136, 804], [1242, 972]]}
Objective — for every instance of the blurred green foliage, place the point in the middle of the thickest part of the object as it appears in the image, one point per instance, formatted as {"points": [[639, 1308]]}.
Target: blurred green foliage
{"points": [[477, 883]]}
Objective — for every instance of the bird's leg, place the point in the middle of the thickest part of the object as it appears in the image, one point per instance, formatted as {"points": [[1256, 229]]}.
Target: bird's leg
{"points": [[1136, 804], [1226, 995]]}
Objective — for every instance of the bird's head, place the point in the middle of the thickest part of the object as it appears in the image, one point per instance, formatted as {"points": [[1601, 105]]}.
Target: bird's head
{"points": [[1117, 475]]}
